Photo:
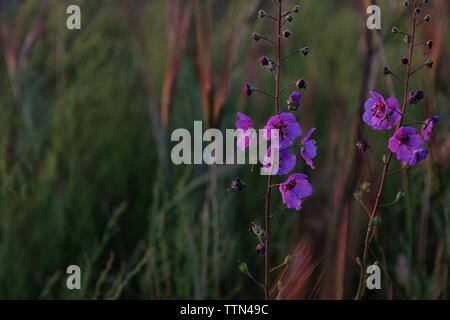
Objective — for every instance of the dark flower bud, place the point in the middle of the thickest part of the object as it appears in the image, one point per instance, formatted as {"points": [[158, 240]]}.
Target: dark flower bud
{"points": [[304, 51], [362, 145], [427, 18], [264, 60], [290, 18], [287, 33], [301, 84], [387, 70], [404, 60], [429, 44], [248, 89], [429, 63], [415, 96], [406, 3], [262, 14], [238, 184], [418, 11], [407, 38], [260, 249], [256, 36], [296, 9], [394, 30]]}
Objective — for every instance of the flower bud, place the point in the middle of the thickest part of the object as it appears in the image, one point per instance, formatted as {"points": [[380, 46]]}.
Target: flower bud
{"points": [[384, 158], [399, 195], [304, 51], [365, 186], [429, 44], [418, 11], [407, 38], [260, 249], [262, 14], [415, 96], [264, 60], [406, 3], [429, 63], [287, 33], [301, 83], [427, 18], [358, 195], [358, 262], [272, 66], [256, 36], [248, 89], [238, 184], [362, 145], [387, 70], [394, 30], [288, 259], [243, 268], [296, 9], [404, 60], [377, 220], [290, 18]]}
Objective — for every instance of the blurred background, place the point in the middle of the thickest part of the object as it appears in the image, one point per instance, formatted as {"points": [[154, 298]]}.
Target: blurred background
{"points": [[85, 171]]}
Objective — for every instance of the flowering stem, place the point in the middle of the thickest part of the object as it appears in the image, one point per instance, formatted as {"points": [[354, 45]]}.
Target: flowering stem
{"points": [[269, 178], [277, 212], [376, 155], [278, 267], [264, 92], [396, 170], [289, 55], [267, 39], [287, 86], [417, 69], [386, 165]]}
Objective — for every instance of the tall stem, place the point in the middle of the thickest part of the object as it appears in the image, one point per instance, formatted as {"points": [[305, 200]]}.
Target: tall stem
{"points": [[371, 228], [269, 179]]}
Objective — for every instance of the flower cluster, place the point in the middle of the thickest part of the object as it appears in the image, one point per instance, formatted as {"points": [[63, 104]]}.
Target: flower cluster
{"points": [[282, 130]]}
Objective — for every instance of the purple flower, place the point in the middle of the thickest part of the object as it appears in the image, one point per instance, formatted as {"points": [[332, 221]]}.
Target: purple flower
{"points": [[245, 124], [289, 129], [381, 114], [285, 164], [308, 150], [418, 155], [294, 100], [405, 142], [294, 189], [429, 127]]}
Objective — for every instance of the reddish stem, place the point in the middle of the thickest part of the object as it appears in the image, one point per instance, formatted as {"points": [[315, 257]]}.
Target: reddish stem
{"points": [[386, 165], [269, 179]]}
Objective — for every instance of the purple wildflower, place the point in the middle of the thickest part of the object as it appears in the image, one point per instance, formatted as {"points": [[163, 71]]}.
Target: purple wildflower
{"points": [[381, 114], [245, 124], [429, 127], [288, 127], [294, 100], [286, 162], [405, 142], [418, 155], [308, 150], [294, 189]]}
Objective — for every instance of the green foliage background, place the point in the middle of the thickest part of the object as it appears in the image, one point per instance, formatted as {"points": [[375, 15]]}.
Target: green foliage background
{"points": [[81, 177]]}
